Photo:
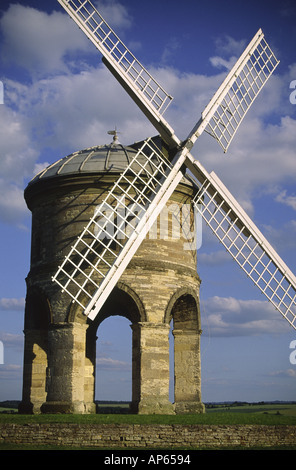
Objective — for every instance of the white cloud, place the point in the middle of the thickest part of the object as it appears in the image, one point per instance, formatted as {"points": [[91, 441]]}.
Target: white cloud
{"points": [[12, 204], [214, 258], [107, 363], [39, 41], [115, 14], [229, 49], [283, 236], [12, 303], [228, 316], [221, 63], [68, 111], [45, 43], [284, 373], [170, 48], [17, 158], [12, 341], [227, 45], [260, 155], [10, 372], [287, 200]]}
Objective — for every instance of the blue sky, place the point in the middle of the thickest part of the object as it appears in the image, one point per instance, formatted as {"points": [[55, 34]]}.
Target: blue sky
{"points": [[59, 98]]}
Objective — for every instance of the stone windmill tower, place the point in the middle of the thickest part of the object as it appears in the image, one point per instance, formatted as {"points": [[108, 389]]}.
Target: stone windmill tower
{"points": [[159, 284], [98, 272]]}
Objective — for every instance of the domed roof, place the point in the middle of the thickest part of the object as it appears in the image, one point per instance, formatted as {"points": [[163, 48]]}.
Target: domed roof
{"points": [[112, 158], [103, 158]]}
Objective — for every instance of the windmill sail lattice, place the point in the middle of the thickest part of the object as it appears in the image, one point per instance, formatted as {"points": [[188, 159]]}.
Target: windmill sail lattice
{"points": [[244, 241], [149, 95], [93, 262], [228, 107], [111, 237]]}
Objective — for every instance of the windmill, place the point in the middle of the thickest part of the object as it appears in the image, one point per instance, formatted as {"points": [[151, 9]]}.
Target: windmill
{"points": [[95, 262]]}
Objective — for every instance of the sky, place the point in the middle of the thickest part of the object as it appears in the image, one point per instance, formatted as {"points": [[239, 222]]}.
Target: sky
{"points": [[59, 98]]}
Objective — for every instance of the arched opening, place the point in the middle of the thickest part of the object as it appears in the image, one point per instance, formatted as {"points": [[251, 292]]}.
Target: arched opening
{"points": [[184, 318], [113, 384], [37, 319], [110, 350], [172, 363]]}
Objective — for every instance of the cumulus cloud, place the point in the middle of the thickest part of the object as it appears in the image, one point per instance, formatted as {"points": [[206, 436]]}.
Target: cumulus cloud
{"points": [[68, 112], [214, 258], [283, 198], [17, 159], [12, 304], [284, 373], [282, 237], [115, 14], [57, 108], [229, 49], [227, 45], [66, 109], [221, 63], [12, 341], [10, 372], [44, 43], [38, 41], [228, 316], [107, 363]]}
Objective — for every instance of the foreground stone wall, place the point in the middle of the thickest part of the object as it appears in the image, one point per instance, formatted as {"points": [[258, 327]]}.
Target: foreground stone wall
{"points": [[148, 436]]}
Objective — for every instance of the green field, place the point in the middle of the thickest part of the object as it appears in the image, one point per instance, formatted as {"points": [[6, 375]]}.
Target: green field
{"points": [[267, 414], [234, 414]]}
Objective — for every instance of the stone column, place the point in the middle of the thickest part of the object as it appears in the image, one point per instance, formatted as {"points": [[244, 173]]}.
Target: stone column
{"points": [[66, 363], [89, 371], [34, 373], [151, 372], [187, 371]]}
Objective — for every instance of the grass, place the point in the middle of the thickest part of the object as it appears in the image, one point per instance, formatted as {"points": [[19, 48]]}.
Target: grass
{"points": [[260, 414], [247, 414]]}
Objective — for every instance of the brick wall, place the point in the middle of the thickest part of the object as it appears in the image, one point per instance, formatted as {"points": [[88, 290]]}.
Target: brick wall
{"points": [[147, 436]]}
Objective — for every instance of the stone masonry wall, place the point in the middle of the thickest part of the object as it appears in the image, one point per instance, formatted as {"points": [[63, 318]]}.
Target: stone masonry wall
{"points": [[148, 436]]}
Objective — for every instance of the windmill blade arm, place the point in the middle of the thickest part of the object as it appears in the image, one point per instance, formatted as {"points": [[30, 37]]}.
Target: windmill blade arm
{"points": [[225, 112], [160, 124], [244, 241], [149, 95], [114, 233]]}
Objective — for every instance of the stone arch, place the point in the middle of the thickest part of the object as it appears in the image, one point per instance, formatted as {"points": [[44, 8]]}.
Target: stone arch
{"points": [[123, 298], [126, 302], [184, 299], [38, 311], [38, 317], [123, 301], [183, 308]]}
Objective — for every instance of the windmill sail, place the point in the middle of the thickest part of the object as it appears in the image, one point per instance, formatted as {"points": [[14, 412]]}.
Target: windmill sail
{"points": [[148, 94], [230, 104], [108, 242], [244, 241], [94, 265]]}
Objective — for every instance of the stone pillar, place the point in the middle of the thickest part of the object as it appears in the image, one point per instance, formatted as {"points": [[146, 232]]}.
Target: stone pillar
{"points": [[187, 371], [151, 373], [89, 372], [66, 369], [34, 372]]}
